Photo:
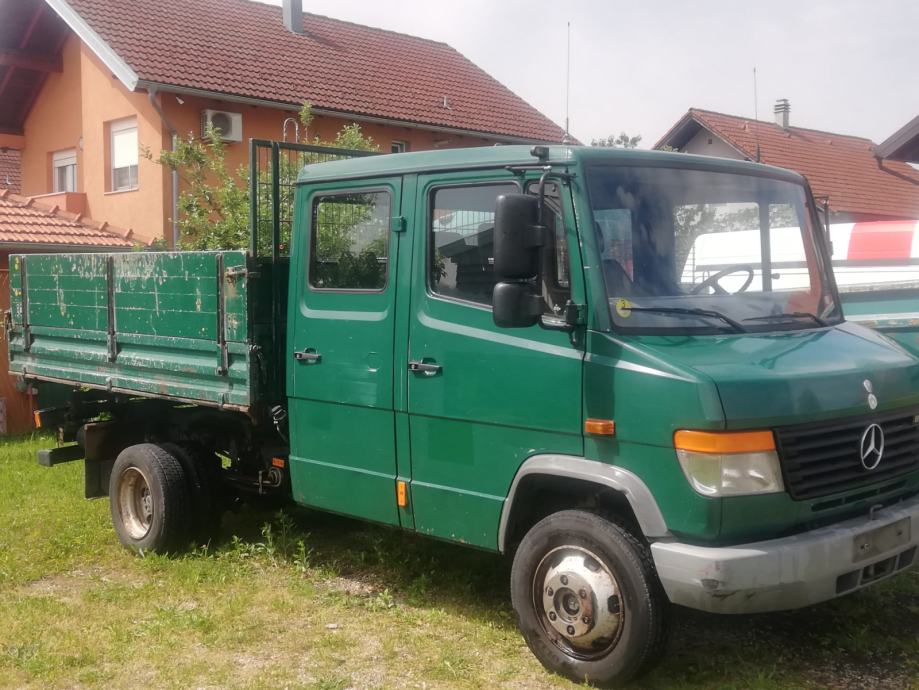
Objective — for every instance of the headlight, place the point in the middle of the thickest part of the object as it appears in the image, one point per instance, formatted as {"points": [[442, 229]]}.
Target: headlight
{"points": [[729, 463]]}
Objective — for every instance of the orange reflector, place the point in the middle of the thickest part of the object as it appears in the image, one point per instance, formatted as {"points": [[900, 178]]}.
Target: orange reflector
{"points": [[401, 494], [278, 462], [600, 427], [36, 417], [724, 441]]}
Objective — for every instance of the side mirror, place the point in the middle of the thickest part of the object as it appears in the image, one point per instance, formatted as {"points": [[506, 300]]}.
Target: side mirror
{"points": [[518, 237], [516, 305]]}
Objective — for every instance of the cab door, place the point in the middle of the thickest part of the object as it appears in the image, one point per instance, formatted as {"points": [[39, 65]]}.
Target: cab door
{"points": [[340, 373], [482, 399]]}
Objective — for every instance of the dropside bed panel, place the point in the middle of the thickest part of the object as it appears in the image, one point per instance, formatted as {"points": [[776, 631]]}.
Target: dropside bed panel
{"points": [[171, 325]]}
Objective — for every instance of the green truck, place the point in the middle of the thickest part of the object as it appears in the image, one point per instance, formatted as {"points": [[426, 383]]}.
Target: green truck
{"points": [[502, 347]]}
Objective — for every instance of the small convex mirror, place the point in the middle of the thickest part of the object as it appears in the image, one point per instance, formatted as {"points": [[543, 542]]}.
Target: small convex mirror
{"points": [[515, 305]]}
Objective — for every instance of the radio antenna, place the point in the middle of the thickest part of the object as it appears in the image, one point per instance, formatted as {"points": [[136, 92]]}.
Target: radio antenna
{"points": [[567, 137], [756, 117]]}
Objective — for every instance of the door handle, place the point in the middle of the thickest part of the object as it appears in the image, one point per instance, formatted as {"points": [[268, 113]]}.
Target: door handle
{"points": [[426, 368], [307, 355]]}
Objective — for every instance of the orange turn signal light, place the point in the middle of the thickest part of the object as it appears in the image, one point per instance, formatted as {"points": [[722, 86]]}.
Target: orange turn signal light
{"points": [[600, 427], [278, 462], [716, 442], [401, 494]]}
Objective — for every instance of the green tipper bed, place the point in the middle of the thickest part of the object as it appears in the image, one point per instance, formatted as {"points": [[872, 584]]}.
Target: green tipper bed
{"points": [[172, 325]]}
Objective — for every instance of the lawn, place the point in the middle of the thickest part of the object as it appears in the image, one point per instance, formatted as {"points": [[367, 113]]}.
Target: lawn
{"points": [[301, 599]]}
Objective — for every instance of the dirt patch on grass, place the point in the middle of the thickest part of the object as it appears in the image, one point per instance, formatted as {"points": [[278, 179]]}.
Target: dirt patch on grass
{"points": [[72, 585], [351, 586]]}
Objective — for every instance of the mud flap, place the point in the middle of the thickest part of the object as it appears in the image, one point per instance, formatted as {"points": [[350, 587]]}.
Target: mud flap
{"points": [[103, 441]]}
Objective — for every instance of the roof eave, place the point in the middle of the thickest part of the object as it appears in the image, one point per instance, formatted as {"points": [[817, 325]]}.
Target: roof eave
{"points": [[45, 246], [890, 147], [672, 132], [692, 117], [357, 117], [96, 43]]}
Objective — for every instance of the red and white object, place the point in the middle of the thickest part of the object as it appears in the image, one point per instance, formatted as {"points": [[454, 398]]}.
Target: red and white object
{"points": [[876, 256]]}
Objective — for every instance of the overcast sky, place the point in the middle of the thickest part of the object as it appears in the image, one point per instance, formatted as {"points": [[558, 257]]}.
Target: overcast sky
{"points": [[847, 66]]}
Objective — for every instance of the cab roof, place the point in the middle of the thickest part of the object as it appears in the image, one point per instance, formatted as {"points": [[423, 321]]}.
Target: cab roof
{"points": [[394, 165]]}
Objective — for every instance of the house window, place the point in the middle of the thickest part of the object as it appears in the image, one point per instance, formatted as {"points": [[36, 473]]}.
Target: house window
{"points": [[123, 147], [399, 147], [64, 171]]}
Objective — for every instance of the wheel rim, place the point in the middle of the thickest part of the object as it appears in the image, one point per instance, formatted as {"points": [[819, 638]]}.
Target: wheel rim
{"points": [[578, 602], [135, 503]]}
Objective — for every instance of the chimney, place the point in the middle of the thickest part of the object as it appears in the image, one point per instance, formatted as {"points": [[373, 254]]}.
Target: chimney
{"points": [[292, 12], [782, 112]]}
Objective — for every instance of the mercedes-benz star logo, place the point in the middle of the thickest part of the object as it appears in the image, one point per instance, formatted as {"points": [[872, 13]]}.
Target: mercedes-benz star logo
{"points": [[872, 447]]}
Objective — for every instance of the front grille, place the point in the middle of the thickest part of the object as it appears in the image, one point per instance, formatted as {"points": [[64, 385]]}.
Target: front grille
{"points": [[822, 459]]}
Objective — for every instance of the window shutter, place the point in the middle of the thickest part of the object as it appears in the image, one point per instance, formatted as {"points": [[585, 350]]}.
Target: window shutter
{"points": [[124, 147]]}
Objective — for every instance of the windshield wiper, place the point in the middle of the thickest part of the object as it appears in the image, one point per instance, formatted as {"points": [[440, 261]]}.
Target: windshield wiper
{"points": [[694, 312], [789, 315]]}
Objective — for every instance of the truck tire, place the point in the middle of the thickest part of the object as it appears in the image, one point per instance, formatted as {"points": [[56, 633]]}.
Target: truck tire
{"points": [[205, 500], [587, 599], [149, 499]]}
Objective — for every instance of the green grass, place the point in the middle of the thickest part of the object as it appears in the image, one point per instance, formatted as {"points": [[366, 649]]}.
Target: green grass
{"points": [[301, 599]]}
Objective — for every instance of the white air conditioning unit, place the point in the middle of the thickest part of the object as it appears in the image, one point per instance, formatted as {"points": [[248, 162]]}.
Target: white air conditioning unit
{"points": [[230, 125]]}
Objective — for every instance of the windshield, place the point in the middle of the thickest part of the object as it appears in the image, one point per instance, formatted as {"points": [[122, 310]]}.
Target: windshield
{"points": [[699, 251]]}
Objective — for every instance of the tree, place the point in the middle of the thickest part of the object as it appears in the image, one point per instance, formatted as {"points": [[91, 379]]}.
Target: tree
{"points": [[623, 141], [213, 207]]}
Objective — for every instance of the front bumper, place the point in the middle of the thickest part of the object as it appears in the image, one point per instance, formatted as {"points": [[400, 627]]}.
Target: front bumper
{"points": [[794, 571]]}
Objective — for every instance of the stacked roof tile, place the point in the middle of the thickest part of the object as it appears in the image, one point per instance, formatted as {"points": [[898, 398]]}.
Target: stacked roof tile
{"points": [[10, 170], [27, 222], [242, 48], [842, 167]]}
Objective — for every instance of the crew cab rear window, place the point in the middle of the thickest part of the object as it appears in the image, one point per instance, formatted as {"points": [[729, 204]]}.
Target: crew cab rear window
{"points": [[349, 241]]}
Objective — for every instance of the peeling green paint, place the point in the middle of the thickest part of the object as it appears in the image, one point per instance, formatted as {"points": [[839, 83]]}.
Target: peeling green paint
{"points": [[166, 321]]}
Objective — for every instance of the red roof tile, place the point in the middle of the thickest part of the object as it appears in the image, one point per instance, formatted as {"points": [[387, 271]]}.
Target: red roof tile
{"points": [[836, 165], [24, 221], [241, 48], [10, 170]]}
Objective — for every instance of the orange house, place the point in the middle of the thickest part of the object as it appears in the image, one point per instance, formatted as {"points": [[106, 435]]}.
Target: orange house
{"points": [[86, 86]]}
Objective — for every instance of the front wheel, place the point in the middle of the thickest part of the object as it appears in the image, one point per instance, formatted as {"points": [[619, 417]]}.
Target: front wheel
{"points": [[588, 601]]}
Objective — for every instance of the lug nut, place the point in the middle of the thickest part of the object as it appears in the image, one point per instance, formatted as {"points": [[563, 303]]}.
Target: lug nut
{"points": [[564, 579], [552, 615], [549, 591], [586, 620], [582, 593], [571, 630]]}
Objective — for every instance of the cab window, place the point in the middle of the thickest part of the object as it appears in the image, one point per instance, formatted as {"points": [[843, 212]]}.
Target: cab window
{"points": [[462, 227], [349, 241]]}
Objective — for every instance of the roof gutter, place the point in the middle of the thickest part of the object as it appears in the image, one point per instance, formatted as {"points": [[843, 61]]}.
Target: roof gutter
{"points": [[230, 98], [152, 96]]}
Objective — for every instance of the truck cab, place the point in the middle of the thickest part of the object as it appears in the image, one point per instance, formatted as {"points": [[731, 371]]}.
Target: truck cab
{"points": [[629, 371], [754, 440]]}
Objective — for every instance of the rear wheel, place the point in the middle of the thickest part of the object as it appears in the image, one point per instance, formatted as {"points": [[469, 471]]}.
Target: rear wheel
{"points": [[587, 598], [204, 489], [149, 499]]}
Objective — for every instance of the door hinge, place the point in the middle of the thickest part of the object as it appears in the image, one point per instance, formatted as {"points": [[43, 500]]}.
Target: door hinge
{"points": [[397, 224]]}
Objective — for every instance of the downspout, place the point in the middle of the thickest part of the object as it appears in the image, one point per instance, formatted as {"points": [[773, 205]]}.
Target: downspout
{"points": [[151, 94]]}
